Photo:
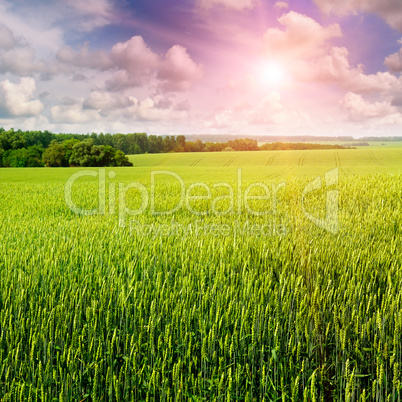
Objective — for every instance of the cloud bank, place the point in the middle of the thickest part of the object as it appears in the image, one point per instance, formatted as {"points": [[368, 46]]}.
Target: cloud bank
{"points": [[244, 66], [389, 10]]}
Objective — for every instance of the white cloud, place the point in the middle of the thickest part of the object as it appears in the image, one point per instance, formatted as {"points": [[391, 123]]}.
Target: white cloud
{"points": [[178, 71], [377, 113], [389, 10], [16, 99], [233, 4], [166, 101], [106, 100], [36, 28], [394, 62], [302, 38], [222, 119], [7, 38], [138, 65], [108, 108], [122, 79], [335, 68], [147, 109], [338, 6], [380, 82], [20, 61], [19, 57], [16, 57], [304, 46], [136, 61], [72, 112], [281, 5], [134, 55], [132, 63], [100, 82], [79, 77], [35, 123], [43, 21], [269, 112], [358, 108], [84, 58], [91, 14]]}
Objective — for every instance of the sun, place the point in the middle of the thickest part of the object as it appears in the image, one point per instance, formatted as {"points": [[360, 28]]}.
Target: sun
{"points": [[273, 74]]}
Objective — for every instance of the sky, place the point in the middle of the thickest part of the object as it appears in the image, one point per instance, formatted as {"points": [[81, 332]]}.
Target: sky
{"points": [[305, 67]]}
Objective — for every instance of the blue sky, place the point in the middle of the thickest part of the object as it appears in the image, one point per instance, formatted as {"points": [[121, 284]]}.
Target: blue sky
{"points": [[321, 67]]}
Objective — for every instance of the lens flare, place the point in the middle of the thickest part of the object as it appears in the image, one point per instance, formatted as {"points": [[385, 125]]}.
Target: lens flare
{"points": [[273, 74]]}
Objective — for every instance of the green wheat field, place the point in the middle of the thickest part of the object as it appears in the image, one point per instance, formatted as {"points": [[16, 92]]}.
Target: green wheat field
{"points": [[238, 295]]}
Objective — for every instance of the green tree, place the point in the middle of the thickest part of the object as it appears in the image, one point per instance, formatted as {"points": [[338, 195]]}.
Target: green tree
{"points": [[214, 146], [11, 140], [169, 143], [82, 155], [155, 144], [180, 143], [85, 153], [142, 141], [121, 159], [196, 146], [120, 142], [54, 155], [68, 146], [41, 138], [103, 155], [243, 145], [23, 157], [35, 153], [137, 143]]}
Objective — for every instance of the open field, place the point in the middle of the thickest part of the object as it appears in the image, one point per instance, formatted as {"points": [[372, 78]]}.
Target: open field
{"points": [[291, 296], [268, 164], [372, 144]]}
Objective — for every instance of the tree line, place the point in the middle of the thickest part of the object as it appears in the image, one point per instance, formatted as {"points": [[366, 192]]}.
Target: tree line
{"points": [[44, 148]]}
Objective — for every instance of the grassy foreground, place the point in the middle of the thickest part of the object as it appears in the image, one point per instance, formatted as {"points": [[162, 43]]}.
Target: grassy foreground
{"points": [[193, 306]]}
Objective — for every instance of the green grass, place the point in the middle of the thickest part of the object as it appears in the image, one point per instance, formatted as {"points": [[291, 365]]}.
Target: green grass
{"points": [[177, 308]]}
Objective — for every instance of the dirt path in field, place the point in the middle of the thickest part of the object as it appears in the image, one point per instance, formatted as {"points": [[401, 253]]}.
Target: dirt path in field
{"points": [[301, 160], [229, 162], [271, 160], [339, 164], [196, 162], [374, 159], [162, 162]]}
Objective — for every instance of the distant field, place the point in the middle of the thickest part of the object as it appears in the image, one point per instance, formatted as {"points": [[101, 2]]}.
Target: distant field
{"points": [[374, 144], [273, 164], [389, 144]]}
